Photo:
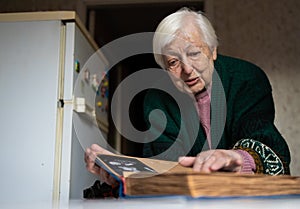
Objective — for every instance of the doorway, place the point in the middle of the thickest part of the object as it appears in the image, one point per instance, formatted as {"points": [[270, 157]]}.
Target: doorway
{"points": [[115, 21]]}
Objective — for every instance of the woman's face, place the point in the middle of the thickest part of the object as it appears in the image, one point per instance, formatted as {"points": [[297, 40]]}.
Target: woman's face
{"points": [[190, 60]]}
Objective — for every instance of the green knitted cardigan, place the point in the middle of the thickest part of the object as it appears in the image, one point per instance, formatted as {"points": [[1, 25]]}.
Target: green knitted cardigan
{"points": [[247, 122]]}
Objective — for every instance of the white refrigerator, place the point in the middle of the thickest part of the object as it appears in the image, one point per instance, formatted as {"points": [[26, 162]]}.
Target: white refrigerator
{"points": [[45, 125]]}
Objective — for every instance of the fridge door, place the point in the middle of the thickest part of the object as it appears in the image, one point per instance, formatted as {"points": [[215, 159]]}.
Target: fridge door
{"points": [[80, 123], [29, 63]]}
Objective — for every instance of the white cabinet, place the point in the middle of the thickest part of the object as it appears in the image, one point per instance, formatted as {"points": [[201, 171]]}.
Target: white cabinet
{"points": [[41, 157]]}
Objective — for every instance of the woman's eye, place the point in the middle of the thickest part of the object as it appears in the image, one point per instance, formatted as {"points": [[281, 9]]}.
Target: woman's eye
{"points": [[195, 53], [172, 63]]}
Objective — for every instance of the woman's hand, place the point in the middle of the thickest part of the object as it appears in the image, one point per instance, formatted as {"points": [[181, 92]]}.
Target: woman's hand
{"points": [[89, 158], [214, 160]]}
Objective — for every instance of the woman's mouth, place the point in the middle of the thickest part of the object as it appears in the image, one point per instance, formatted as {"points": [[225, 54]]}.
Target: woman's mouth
{"points": [[192, 81]]}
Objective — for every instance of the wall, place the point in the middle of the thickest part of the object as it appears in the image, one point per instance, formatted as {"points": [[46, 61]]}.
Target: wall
{"points": [[35, 5], [266, 32], [43, 5]]}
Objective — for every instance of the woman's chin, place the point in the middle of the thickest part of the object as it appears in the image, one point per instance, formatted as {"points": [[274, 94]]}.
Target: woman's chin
{"points": [[197, 88]]}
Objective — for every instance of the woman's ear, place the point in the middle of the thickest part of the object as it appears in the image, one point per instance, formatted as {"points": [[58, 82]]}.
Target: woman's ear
{"points": [[215, 53]]}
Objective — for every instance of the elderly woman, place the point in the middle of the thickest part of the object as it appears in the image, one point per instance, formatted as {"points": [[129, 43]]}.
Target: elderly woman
{"points": [[185, 45], [250, 141]]}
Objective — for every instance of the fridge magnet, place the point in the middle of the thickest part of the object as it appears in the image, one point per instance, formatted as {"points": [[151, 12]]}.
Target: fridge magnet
{"points": [[77, 66]]}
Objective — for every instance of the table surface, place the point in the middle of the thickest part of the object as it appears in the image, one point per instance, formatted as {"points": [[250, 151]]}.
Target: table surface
{"points": [[287, 202]]}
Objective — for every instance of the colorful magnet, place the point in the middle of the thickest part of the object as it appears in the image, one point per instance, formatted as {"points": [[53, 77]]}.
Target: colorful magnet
{"points": [[99, 104], [77, 66]]}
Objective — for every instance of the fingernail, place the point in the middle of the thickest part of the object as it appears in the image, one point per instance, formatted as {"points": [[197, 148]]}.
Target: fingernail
{"points": [[180, 158]]}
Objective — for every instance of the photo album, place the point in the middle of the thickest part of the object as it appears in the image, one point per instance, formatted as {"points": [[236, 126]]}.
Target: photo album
{"points": [[142, 177]]}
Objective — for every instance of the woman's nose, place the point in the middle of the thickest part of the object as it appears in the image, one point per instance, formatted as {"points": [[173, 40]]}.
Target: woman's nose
{"points": [[186, 68]]}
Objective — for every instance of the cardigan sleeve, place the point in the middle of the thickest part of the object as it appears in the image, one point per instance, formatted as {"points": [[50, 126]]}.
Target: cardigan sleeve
{"points": [[153, 101], [253, 124], [182, 127]]}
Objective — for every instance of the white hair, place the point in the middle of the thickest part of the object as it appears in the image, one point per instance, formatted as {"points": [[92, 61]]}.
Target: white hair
{"points": [[172, 24]]}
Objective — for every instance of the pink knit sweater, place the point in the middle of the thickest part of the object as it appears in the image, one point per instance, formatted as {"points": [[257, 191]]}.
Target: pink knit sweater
{"points": [[203, 107]]}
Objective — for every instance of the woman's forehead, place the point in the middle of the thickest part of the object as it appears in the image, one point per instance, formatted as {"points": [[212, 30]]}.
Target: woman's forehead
{"points": [[186, 38], [184, 43], [190, 32]]}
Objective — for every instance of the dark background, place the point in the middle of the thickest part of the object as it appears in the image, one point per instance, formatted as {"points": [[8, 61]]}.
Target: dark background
{"points": [[115, 21]]}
